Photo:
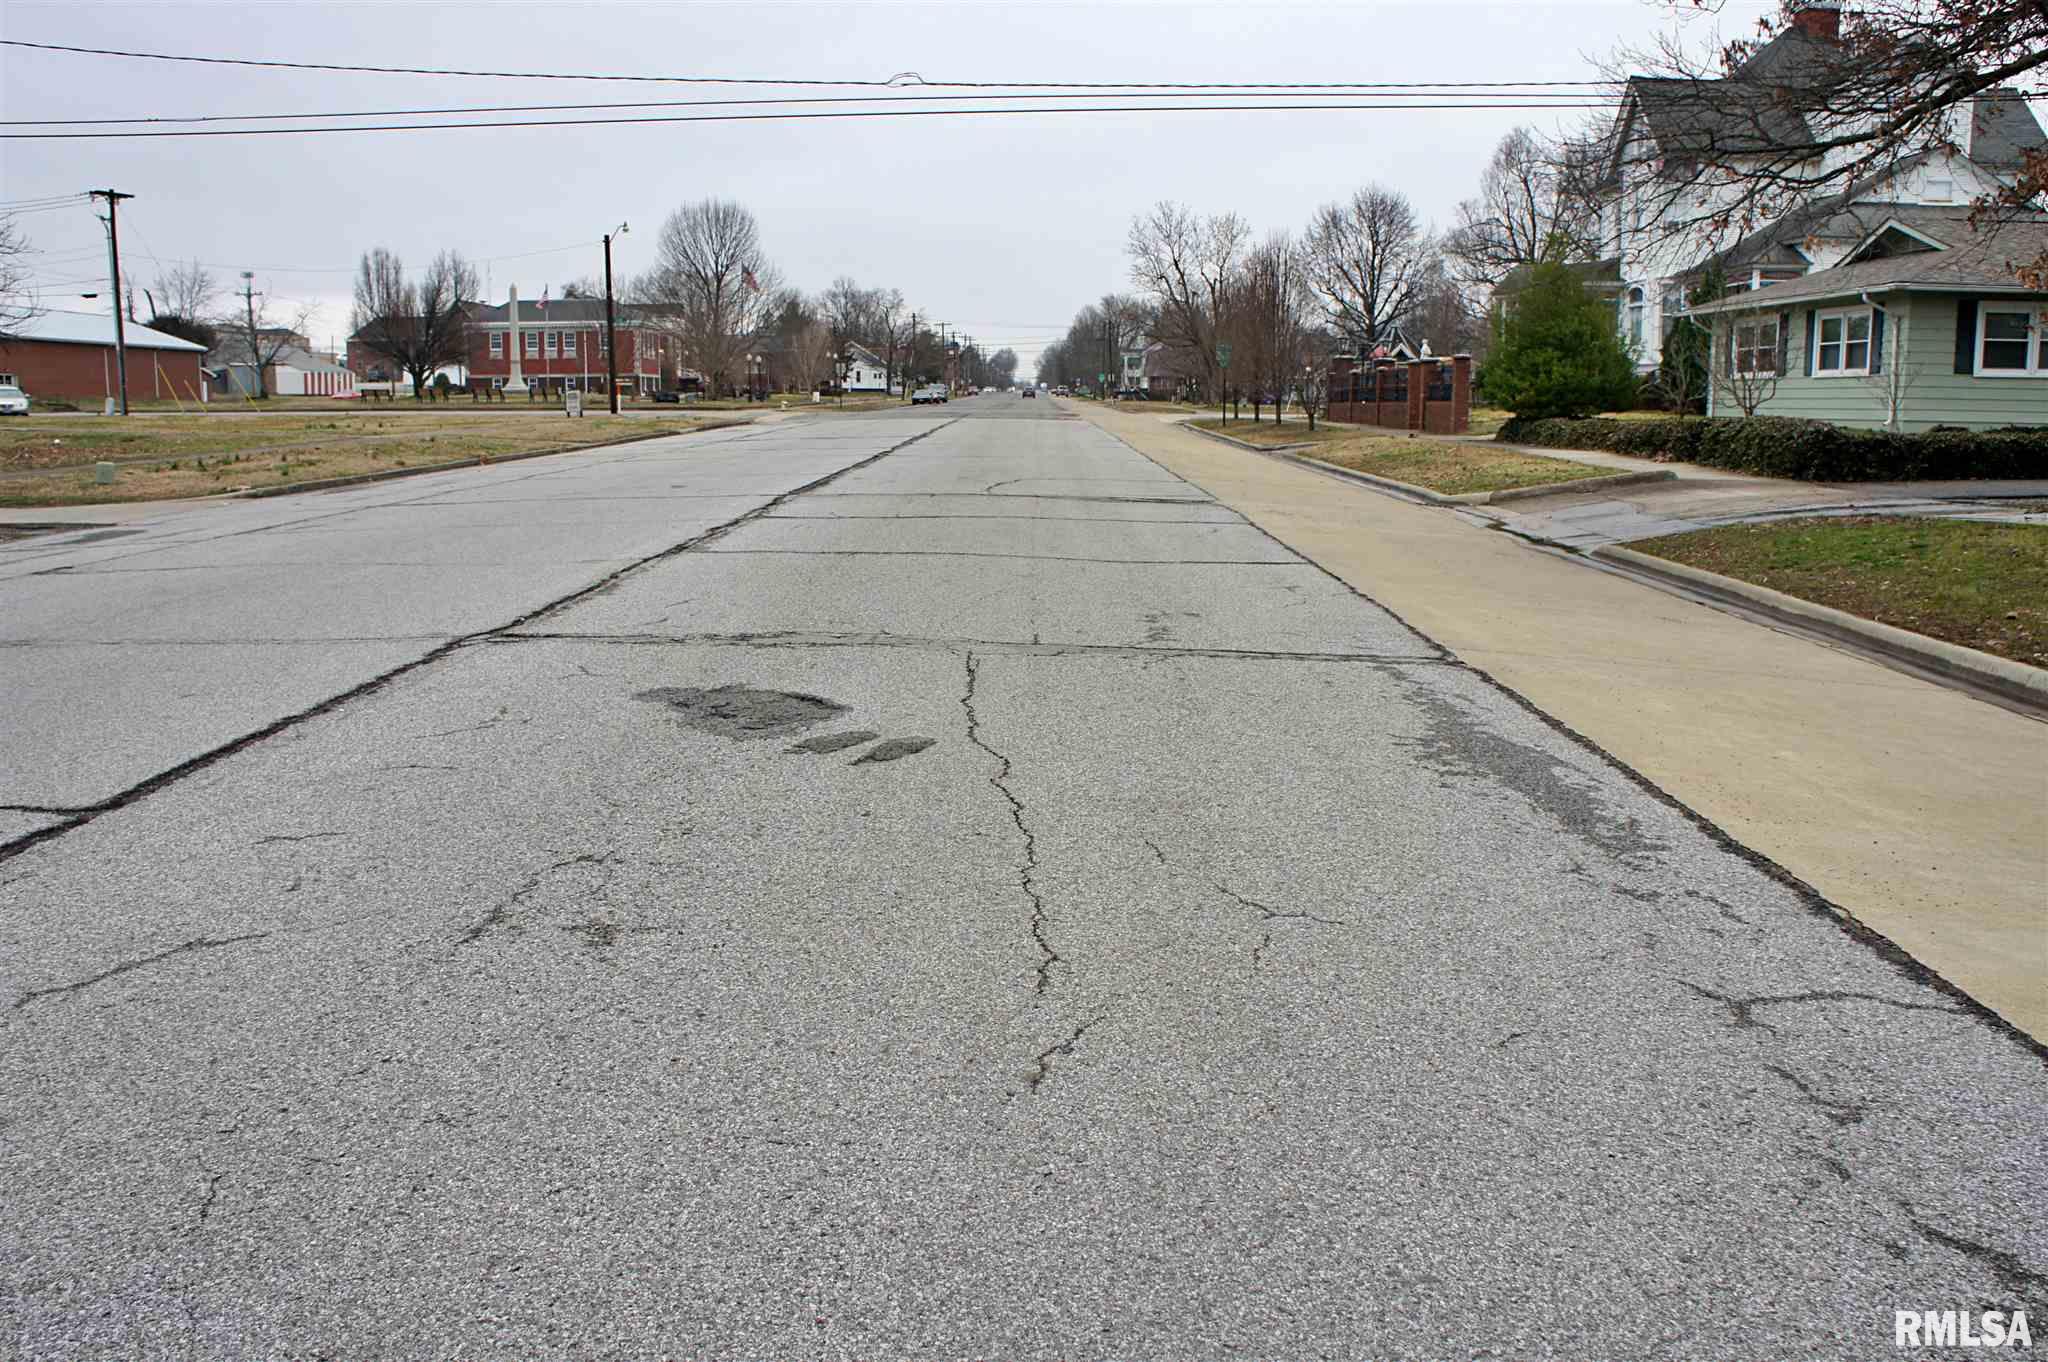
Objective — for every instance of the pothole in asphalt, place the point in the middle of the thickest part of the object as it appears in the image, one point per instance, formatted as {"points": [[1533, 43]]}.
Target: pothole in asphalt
{"points": [[834, 742], [894, 750], [736, 711]]}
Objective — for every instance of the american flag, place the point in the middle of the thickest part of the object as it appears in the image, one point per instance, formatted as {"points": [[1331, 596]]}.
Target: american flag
{"points": [[544, 297]]}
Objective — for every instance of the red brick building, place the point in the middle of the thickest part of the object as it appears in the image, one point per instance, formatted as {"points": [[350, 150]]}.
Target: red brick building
{"points": [[69, 356], [560, 346]]}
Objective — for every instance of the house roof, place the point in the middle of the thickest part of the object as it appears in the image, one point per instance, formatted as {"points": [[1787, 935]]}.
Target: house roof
{"points": [[1760, 108], [1599, 275], [94, 328], [558, 310], [860, 354], [1965, 262], [1839, 219], [234, 350]]}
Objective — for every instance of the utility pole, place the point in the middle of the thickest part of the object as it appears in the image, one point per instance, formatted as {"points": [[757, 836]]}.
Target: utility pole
{"points": [[255, 343], [611, 334], [910, 357], [113, 198]]}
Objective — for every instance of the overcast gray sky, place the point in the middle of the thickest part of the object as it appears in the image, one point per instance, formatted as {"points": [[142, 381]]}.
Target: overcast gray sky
{"points": [[1001, 226]]}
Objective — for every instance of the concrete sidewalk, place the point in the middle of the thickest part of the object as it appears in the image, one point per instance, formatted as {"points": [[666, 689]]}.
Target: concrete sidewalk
{"points": [[1698, 497], [1919, 811]]}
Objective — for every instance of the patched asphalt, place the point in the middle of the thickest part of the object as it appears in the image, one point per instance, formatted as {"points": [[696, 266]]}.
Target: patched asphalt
{"points": [[912, 924]]}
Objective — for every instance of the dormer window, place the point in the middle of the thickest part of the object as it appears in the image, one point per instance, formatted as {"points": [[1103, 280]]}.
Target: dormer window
{"points": [[1941, 191]]}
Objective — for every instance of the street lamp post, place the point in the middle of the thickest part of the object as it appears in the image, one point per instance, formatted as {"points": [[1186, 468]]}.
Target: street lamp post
{"points": [[611, 332]]}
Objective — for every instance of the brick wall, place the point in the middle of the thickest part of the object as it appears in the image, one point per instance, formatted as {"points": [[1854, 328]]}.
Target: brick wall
{"points": [[48, 369]]}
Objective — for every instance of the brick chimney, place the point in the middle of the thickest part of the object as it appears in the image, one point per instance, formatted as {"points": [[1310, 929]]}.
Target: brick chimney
{"points": [[1817, 18]]}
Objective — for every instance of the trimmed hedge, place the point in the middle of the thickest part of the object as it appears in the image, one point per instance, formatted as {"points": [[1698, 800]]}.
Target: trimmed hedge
{"points": [[1812, 451]]}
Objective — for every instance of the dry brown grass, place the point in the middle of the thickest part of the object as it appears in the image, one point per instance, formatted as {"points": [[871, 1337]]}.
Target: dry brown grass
{"points": [[204, 455]]}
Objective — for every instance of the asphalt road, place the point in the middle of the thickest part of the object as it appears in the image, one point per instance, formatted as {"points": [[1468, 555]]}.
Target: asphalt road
{"points": [[927, 885]]}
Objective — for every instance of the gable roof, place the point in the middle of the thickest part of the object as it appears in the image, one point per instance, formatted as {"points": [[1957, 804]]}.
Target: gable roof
{"points": [[2003, 129], [94, 328], [1964, 262], [1759, 108]]}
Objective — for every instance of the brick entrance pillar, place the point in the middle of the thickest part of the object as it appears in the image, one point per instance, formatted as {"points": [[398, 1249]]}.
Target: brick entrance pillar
{"points": [[1420, 372]]}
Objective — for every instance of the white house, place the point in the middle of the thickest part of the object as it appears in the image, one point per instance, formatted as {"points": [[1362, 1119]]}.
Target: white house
{"points": [[1669, 134], [865, 371]]}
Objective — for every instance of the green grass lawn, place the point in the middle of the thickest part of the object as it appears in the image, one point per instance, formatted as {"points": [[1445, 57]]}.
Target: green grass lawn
{"points": [[1293, 432], [1451, 467], [1978, 584]]}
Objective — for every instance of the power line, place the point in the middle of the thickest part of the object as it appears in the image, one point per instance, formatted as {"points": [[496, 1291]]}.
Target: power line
{"points": [[900, 80], [817, 115], [1416, 92]]}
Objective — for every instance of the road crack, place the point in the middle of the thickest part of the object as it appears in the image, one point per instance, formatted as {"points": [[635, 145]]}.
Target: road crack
{"points": [[1041, 1068], [1027, 875], [500, 915], [1742, 1011], [127, 966], [1270, 914]]}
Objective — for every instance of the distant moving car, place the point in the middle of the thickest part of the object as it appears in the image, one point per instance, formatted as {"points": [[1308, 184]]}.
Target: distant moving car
{"points": [[930, 392], [1031, 392], [13, 401]]}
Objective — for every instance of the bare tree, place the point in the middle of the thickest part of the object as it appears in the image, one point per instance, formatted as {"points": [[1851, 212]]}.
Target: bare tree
{"points": [[188, 290], [1366, 259], [1317, 346], [1759, 129], [418, 326], [18, 306], [1530, 207], [1750, 358], [891, 335], [1271, 296], [1445, 314], [721, 293], [809, 354], [261, 330], [1184, 265], [1002, 367]]}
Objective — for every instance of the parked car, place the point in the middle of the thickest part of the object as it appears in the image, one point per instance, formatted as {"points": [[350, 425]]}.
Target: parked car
{"points": [[13, 401], [665, 395], [930, 392]]}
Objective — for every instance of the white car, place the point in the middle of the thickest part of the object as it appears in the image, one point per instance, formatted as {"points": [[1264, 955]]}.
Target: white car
{"points": [[930, 392], [13, 401]]}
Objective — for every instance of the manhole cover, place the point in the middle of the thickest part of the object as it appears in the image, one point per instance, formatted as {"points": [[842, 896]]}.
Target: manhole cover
{"points": [[737, 711]]}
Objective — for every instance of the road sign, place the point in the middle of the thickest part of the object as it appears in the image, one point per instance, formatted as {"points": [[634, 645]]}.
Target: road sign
{"points": [[1223, 355]]}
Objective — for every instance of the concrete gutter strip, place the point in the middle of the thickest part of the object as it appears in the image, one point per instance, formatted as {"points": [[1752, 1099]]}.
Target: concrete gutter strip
{"points": [[2014, 682], [386, 474]]}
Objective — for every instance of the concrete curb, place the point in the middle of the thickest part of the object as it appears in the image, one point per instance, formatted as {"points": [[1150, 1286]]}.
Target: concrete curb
{"points": [[2014, 683], [1593, 484], [1245, 444], [1552, 489], [387, 474]]}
